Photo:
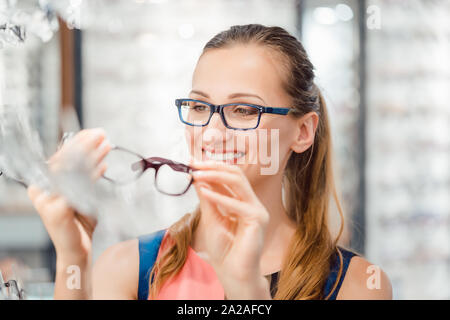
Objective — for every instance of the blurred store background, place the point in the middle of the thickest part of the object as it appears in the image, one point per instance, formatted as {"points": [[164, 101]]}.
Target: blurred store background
{"points": [[119, 64]]}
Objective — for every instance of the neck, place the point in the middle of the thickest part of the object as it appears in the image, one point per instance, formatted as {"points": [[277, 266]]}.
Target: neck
{"points": [[280, 228]]}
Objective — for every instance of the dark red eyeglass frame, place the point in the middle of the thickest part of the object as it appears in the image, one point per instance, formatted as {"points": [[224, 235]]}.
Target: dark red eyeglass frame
{"points": [[156, 163], [144, 164]]}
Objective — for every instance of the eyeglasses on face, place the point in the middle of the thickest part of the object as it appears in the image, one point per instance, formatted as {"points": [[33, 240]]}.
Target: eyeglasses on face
{"points": [[236, 116]]}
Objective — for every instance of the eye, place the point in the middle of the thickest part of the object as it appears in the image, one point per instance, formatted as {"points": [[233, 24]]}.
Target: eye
{"points": [[200, 108], [245, 110]]}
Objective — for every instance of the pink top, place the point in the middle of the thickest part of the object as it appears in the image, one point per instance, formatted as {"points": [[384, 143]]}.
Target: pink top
{"points": [[196, 280]]}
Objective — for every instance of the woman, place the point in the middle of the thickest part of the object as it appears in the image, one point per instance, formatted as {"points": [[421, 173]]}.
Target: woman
{"points": [[244, 241]]}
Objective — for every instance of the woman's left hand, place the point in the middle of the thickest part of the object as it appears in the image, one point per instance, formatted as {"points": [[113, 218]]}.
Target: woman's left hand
{"points": [[236, 222]]}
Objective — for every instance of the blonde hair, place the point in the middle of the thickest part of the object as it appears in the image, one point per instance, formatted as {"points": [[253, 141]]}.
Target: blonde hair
{"points": [[308, 179]]}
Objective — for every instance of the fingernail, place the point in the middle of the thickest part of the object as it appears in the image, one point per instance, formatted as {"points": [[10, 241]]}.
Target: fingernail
{"points": [[98, 132], [198, 173], [105, 144]]}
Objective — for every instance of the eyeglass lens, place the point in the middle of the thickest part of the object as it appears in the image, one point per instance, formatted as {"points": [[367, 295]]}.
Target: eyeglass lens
{"points": [[124, 167], [172, 182], [236, 116]]}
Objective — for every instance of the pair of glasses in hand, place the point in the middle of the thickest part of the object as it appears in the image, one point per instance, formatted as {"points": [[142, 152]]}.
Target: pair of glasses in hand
{"points": [[125, 166]]}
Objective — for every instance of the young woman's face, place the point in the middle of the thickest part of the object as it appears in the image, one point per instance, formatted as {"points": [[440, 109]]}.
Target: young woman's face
{"points": [[242, 74]]}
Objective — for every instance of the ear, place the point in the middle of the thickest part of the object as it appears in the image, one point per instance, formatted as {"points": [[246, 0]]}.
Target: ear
{"points": [[305, 133]]}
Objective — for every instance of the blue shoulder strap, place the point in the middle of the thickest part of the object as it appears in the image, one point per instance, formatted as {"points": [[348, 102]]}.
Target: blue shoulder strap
{"points": [[148, 251], [346, 257]]}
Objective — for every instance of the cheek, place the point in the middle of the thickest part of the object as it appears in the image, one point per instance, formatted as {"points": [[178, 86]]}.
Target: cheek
{"points": [[275, 135], [193, 136], [285, 137], [274, 143], [189, 136]]}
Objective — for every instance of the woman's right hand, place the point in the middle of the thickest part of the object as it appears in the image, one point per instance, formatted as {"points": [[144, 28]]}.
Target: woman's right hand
{"points": [[71, 231]]}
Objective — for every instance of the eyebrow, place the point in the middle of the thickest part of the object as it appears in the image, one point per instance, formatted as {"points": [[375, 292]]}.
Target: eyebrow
{"points": [[231, 96]]}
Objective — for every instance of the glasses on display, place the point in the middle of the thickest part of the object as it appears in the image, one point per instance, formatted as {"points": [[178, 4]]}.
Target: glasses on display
{"points": [[16, 22], [10, 290], [236, 116], [11, 33], [125, 166]]}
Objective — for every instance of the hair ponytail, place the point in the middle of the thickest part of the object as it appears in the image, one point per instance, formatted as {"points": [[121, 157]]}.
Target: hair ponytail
{"points": [[309, 185]]}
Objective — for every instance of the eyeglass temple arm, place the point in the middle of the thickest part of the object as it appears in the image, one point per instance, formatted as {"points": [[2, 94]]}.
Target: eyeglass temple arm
{"points": [[282, 111], [147, 163], [273, 110]]}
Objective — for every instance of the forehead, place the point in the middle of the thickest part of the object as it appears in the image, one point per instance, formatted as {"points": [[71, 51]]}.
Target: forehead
{"points": [[240, 68]]}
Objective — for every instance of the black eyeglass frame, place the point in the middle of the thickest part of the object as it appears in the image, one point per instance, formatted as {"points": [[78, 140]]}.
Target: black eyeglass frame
{"points": [[219, 109]]}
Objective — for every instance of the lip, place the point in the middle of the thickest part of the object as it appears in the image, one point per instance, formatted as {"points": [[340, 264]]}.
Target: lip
{"points": [[222, 151]]}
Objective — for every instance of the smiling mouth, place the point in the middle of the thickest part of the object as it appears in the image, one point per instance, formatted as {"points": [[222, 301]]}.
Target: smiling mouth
{"points": [[223, 156]]}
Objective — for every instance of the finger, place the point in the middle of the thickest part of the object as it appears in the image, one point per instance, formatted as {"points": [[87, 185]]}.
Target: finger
{"points": [[219, 215], [221, 166], [88, 223], [217, 165], [86, 134], [87, 140], [233, 206], [238, 184], [51, 208], [198, 185], [84, 141], [219, 187], [33, 191], [206, 204], [92, 140], [41, 200], [99, 171], [101, 152]]}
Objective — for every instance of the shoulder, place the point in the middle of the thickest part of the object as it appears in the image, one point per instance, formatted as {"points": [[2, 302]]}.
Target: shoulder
{"points": [[116, 271], [365, 281]]}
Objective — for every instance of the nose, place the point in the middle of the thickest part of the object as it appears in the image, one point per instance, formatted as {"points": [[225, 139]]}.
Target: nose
{"points": [[216, 132], [216, 122]]}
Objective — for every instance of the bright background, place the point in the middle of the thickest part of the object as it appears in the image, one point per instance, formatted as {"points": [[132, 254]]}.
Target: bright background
{"points": [[382, 65]]}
